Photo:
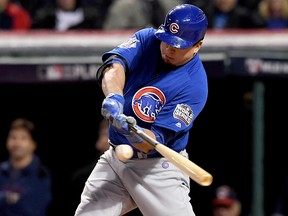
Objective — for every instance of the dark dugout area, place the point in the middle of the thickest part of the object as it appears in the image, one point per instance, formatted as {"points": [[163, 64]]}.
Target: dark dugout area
{"points": [[67, 115]]}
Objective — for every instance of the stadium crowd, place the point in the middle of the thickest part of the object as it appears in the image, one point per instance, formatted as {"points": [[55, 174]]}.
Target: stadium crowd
{"points": [[62, 15]]}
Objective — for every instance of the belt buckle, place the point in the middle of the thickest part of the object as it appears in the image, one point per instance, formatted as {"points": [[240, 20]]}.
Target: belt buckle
{"points": [[142, 155]]}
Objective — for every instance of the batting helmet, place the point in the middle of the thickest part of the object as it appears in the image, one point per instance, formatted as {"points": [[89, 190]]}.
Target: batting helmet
{"points": [[184, 26]]}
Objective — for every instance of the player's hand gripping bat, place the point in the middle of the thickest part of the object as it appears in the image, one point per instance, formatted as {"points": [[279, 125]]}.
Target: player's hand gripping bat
{"points": [[195, 172]]}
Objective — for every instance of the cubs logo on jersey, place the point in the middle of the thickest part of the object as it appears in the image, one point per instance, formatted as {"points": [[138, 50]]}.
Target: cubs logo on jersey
{"points": [[147, 103]]}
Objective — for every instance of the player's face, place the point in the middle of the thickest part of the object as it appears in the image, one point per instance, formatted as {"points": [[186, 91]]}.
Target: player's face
{"points": [[176, 56]]}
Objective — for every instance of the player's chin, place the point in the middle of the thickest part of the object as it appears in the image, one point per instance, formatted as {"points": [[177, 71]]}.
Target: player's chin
{"points": [[169, 61]]}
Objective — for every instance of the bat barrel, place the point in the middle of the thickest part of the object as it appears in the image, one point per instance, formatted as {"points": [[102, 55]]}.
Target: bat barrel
{"points": [[205, 180], [196, 173]]}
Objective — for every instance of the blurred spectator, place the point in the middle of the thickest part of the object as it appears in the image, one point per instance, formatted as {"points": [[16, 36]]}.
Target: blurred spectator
{"points": [[145, 13], [226, 202], [223, 14], [251, 4], [13, 16], [70, 15], [25, 183], [200, 3], [104, 4], [161, 8], [31, 6], [281, 207], [274, 13], [128, 14]]}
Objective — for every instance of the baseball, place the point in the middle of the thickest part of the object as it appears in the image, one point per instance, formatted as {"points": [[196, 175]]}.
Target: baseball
{"points": [[124, 152]]}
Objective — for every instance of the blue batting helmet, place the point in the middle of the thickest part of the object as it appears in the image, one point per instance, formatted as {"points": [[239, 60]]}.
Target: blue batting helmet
{"points": [[184, 26]]}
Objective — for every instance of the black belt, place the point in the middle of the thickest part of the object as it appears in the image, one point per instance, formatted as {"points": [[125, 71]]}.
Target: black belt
{"points": [[142, 155], [139, 154]]}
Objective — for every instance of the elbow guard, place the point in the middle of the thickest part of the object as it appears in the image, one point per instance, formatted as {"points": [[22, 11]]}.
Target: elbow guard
{"points": [[112, 59]]}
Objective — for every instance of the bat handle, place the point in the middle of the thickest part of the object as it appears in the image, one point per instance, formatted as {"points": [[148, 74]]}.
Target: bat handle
{"points": [[144, 136]]}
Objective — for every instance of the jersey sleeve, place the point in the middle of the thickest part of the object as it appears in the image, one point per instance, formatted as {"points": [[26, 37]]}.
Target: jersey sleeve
{"points": [[179, 115], [132, 49]]}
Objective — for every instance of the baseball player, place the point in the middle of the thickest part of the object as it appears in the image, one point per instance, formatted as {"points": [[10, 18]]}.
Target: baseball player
{"points": [[158, 78]]}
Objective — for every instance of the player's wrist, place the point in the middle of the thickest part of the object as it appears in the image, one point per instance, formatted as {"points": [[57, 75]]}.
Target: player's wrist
{"points": [[116, 97], [112, 106], [134, 138]]}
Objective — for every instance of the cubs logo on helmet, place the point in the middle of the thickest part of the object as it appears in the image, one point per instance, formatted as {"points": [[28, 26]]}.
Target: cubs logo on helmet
{"points": [[174, 27], [147, 103]]}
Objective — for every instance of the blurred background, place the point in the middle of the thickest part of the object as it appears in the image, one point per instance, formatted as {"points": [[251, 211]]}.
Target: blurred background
{"points": [[50, 51]]}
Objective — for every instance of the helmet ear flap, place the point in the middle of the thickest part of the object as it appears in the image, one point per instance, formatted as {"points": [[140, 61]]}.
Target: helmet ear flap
{"points": [[184, 26]]}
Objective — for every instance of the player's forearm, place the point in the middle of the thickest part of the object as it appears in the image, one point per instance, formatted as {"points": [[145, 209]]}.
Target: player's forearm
{"points": [[144, 146], [113, 82], [113, 79]]}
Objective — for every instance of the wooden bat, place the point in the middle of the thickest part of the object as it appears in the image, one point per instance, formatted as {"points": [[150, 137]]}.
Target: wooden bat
{"points": [[195, 172]]}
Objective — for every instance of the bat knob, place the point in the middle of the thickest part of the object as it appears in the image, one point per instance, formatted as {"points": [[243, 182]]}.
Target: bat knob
{"points": [[131, 121]]}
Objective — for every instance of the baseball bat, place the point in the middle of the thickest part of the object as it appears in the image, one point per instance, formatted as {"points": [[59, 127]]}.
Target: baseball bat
{"points": [[195, 172]]}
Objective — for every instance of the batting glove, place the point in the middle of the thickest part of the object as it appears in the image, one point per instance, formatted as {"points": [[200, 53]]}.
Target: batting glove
{"points": [[112, 106], [120, 124]]}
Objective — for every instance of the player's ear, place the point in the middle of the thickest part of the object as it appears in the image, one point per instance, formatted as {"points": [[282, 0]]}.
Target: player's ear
{"points": [[199, 44], [197, 47]]}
